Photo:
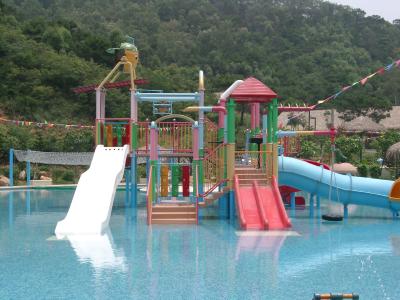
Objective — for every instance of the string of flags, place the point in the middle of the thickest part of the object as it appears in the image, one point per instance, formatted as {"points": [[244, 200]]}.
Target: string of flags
{"points": [[363, 81], [44, 124]]}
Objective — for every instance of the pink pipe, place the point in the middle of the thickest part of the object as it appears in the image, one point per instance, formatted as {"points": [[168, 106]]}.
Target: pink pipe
{"points": [[257, 114], [153, 142], [195, 143], [331, 132], [252, 116], [221, 114]]}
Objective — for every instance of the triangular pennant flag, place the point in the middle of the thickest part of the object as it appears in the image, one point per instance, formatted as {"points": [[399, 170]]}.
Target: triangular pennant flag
{"points": [[389, 67], [337, 95], [346, 88], [381, 71], [355, 83], [397, 63], [364, 81]]}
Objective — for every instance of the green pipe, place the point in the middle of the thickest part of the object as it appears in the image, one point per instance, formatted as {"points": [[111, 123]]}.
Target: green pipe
{"points": [[220, 135], [134, 131], [119, 136], [275, 120], [269, 124], [175, 175], [231, 121]]}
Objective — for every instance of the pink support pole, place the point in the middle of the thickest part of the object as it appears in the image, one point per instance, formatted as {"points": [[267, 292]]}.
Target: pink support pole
{"points": [[153, 141], [257, 115], [195, 142], [253, 116]]}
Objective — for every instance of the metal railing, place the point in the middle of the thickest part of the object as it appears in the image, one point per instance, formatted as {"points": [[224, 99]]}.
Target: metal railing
{"points": [[210, 135], [213, 169], [254, 159], [113, 132], [239, 203], [176, 136]]}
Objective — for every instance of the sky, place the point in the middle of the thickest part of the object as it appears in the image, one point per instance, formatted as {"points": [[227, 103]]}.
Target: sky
{"points": [[388, 9]]}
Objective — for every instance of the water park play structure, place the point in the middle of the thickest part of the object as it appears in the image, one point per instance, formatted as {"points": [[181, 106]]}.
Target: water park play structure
{"points": [[193, 164]]}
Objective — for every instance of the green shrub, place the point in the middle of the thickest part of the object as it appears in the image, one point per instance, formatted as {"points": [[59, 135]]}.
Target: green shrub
{"points": [[375, 171], [362, 170], [60, 175]]}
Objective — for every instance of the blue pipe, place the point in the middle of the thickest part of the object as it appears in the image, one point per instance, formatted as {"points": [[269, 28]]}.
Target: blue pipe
{"points": [[345, 188]]}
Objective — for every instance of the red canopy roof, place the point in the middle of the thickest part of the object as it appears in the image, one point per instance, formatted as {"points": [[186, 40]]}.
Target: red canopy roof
{"points": [[253, 90]]}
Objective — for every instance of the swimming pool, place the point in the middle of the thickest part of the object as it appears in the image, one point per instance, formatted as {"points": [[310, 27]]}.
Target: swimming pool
{"points": [[210, 261]]}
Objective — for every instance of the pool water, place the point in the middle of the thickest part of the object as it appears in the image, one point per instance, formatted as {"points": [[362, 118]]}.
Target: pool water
{"points": [[210, 261]]}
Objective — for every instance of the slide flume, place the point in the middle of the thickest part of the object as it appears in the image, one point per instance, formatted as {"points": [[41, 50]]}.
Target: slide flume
{"points": [[260, 207], [92, 203], [346, 189]]}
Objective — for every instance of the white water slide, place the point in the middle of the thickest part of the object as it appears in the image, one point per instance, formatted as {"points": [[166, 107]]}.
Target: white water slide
{"points": [[92, 203]]}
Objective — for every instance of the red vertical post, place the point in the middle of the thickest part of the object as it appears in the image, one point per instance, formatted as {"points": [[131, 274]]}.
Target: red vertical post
{"points": [[185, 181]]}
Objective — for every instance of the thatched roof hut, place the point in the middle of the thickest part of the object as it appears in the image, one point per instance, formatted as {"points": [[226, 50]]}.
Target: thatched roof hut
{"points": [[393, 153], [363, 124]]}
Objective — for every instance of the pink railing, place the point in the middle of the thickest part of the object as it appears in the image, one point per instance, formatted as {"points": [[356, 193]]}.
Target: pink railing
{"points": [[175, 136], [260, 206], [242, 220], [149, 197], [281, 206]]}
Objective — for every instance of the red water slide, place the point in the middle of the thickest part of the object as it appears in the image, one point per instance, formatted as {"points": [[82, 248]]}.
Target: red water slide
{"points": [[260, 207]]}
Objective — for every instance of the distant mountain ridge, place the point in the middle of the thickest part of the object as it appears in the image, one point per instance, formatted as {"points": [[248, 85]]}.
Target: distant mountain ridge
{"points": [[303, 49]]}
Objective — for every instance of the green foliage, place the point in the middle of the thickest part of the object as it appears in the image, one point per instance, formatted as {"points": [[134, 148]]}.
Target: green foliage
{"points": [[382, 143], [362, 170], [61, 175], [375, 171], [349, 146], [303, 51], [309, 150], [49, 139]]}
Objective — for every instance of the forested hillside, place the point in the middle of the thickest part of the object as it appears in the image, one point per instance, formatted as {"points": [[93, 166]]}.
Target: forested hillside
{"points": [[303, 49]]}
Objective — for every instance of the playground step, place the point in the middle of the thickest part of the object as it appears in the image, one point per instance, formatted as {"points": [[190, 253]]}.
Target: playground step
{"points": [[175, 221], [250, 181], [173, 208], [252, 176], [239, 171], [174, 215]]}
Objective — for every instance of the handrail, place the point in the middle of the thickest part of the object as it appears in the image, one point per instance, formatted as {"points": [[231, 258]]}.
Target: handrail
{"points": [[239, 203], [213, 151], [197, 194], [149, 197], [210, 190], [281, 207], [260, 206]]}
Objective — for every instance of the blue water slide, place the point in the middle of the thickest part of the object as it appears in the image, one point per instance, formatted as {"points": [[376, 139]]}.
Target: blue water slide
{"points": [[346, 189]]}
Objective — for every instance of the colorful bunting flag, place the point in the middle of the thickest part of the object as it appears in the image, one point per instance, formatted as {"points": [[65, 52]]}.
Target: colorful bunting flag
{"points": [[381, 71]]}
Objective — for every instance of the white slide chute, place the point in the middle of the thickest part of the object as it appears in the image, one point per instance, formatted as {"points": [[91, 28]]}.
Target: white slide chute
{"points": [[92, 203]]}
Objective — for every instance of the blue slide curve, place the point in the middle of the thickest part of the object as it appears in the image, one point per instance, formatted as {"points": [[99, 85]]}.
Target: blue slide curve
{"points": [[352, 190]]}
